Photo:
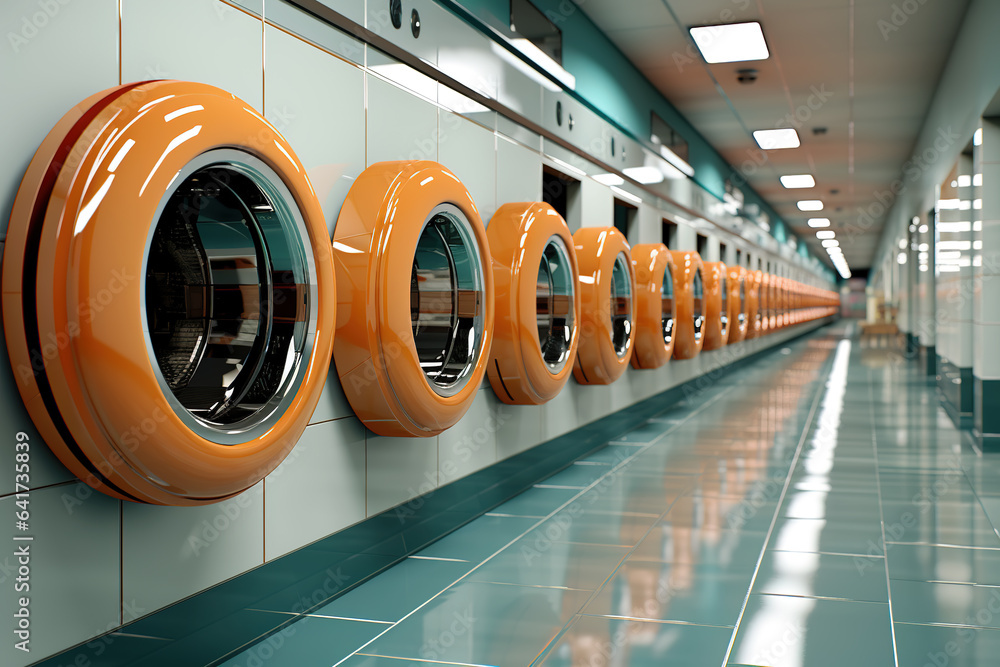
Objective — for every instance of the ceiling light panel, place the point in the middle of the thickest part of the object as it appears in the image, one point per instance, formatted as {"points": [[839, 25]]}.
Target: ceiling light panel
{"points": [[772, 140], [731, 43], [798, 181]]}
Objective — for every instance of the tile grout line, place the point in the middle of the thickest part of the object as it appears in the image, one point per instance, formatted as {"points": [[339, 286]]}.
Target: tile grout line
{"points": [[781, 498], [881, 512], [695, 478], [593, 484]]}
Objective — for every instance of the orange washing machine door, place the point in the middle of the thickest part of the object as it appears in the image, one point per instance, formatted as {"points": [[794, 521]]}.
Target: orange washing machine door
{"points": [[537, 303], [689, 290], [738, 301], [752, 281], [764, 304], [781, 298], [716, 305], [656, 309], [607, 302], [168, 293], [415, 298]]}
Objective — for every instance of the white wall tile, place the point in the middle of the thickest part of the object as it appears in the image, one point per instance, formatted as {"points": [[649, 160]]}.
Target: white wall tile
{"points": [[75, 592], [45, 467], [324, 124], [169, 553], [401, 126], [329, 38], [399, 469], [49, 64], [519, 173], [468, 150], [595, 205], [519, 427], [318, 489], [222, 45], [469, 445], [988, 367]]}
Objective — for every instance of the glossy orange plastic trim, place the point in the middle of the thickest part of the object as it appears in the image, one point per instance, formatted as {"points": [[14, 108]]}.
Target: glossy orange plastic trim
{"points": [[738, 305], [765, 303], [374, 246], [687, 345], [518, 234], [716, 334], [84, 211], [650, 261], [597, 248], [755, 315]]}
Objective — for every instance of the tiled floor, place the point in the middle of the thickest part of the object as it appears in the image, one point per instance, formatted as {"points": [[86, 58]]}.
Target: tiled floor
{"points": [[814, 509]]}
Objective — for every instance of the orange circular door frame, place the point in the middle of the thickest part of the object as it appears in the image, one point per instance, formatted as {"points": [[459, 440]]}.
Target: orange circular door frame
{"points": [[717, 322], [608, 305], [522, 236], [393, 211], [656, 313], [752, 281], [76, 292], [764, 303], [738, 297], [690, 322]]}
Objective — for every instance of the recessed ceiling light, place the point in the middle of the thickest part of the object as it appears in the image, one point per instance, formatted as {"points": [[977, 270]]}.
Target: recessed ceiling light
{"points": [[731, 43], [798, 181], [835, 252], [810, 205], [819, 222], [826, 234], [831, 243], [772, 140]]}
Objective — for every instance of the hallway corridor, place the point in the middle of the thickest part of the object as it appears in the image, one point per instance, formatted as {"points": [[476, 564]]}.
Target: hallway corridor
{"points": [[815, 508]]}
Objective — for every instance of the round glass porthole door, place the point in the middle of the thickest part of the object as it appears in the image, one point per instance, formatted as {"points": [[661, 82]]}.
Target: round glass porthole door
{"points": [[411, 367], [715, 326], [724, 310], [698, 300], [446, 301], [621, 306], [555, 318], [667, 305], [608, 307], [537, 303], [167, 199], [689, 295], [227, 300], [742, 314], [655, 305]]}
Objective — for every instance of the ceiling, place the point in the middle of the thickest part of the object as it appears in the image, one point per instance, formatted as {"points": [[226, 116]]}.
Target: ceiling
{"points": [[879, 79]]}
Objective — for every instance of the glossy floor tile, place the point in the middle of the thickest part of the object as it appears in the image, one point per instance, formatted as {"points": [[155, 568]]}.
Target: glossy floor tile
{"points": [[812, 509]]}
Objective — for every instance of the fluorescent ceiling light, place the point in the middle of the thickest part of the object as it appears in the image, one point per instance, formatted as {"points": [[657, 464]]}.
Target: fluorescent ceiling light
{"points": [[798, 181], [810, 205], [644, 175], [819, 222], [826, 234], [544, 61], [676, 161], [831, 243], [731, 43], [772, 140], [609, 179]]}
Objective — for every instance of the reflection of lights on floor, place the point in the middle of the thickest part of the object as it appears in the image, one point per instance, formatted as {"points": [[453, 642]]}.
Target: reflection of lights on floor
{"points": [[777, 628]]}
